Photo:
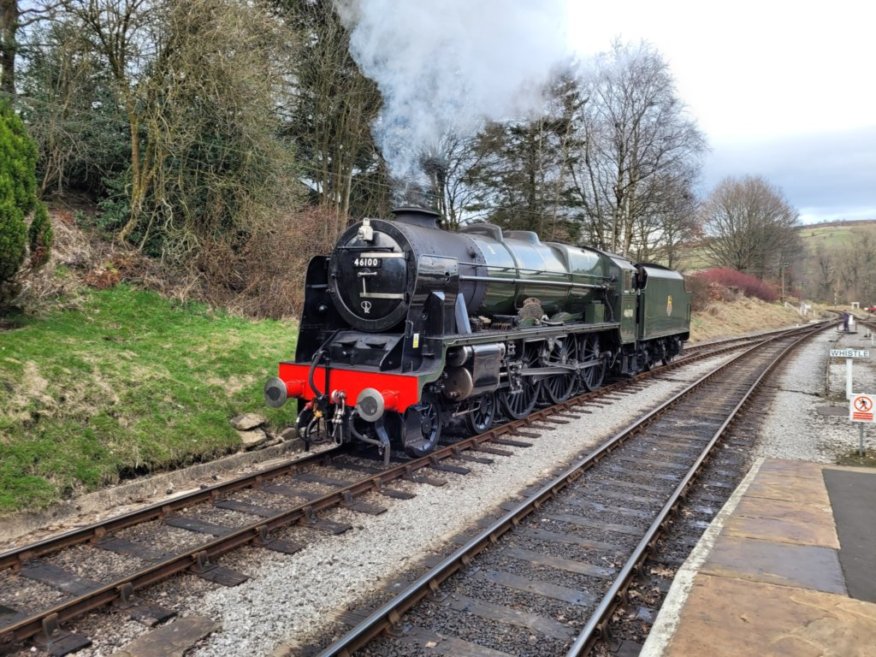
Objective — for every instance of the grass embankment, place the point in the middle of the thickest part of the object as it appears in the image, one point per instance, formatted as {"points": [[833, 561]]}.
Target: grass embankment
{"points": [[127, 383], [132, 382]]}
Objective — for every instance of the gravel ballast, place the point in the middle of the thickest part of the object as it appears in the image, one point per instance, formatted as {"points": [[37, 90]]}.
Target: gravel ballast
{"points": [[290, 600], [809, 417]]}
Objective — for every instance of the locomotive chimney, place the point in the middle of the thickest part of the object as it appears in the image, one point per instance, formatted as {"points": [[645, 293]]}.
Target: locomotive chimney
{"points": [[417, 217]]}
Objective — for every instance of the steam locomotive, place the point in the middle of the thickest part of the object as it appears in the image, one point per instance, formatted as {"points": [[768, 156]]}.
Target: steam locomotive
{"points": [[407, 328]]}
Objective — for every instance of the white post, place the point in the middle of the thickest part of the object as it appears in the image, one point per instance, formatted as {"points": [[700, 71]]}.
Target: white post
{"points": [[861, 439], [848, 378]]}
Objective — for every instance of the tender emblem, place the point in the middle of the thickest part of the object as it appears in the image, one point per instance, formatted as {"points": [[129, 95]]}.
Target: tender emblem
{"points": [[366, 307]]}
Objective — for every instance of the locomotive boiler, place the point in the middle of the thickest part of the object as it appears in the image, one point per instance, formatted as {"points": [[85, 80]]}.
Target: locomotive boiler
{"points": [[407, 327]]}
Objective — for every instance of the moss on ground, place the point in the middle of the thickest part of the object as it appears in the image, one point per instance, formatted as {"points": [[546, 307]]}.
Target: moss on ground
{"points": [[868, 460], [129, 382]]}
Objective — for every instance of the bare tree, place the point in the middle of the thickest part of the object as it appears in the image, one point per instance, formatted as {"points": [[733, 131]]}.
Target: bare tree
{"points": [[671, 222], [824, 274], [71, 111], [199, 83], [8, 30], [125, 34], [450, 168], [210, 124], [13, 19], [333, 110], [853, 266], [751, 227], [632, 142]]}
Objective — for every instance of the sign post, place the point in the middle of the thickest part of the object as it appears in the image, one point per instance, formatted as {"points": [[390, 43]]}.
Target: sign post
{"points": [[848, 378], [861, 410], [849, 355]]}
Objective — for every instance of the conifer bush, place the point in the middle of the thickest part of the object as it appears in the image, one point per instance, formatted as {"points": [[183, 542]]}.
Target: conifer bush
{"points": [[13, 234], [18, 159], [39, 237]]}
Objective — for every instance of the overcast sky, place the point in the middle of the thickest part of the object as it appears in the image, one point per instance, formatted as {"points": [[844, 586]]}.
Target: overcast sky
{"points": [[782, 89]]}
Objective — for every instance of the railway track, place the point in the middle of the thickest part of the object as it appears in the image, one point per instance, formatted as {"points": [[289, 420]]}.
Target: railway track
{"points": [[631, 623], [189, 533], [545, 578]]}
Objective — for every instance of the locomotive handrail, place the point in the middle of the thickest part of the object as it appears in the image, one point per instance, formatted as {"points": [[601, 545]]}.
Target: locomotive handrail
{"points": [[530, 270], [532, 333], [530, 281], [366, 247]]}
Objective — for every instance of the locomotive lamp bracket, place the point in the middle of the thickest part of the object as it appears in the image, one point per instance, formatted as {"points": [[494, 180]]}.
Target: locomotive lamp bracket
{"points": [[366, 232]]}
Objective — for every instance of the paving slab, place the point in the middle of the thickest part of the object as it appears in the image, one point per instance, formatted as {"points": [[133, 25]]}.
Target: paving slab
{"points": [[791, 468], [787, 569], [781, 520], [803, 485], [752, 506], [785, 564], [728, 617], [790, 530]]}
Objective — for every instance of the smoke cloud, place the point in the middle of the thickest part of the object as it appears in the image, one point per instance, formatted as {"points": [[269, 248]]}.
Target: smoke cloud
{"points": [[447, 66]]}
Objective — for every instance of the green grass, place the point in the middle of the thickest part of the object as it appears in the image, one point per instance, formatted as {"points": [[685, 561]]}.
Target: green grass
{"points": [[130, 382], [831, 236]]}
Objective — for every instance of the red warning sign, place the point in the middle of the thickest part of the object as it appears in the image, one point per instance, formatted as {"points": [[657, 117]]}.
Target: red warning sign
{"points": [[861, 408]]}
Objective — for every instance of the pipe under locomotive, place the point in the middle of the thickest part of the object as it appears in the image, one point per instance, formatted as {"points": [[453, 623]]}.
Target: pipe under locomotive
{"points": [[407, 327]]}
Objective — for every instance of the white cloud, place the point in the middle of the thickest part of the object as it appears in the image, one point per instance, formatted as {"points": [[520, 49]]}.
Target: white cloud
{"points": [[752, 68], [782, 89]]}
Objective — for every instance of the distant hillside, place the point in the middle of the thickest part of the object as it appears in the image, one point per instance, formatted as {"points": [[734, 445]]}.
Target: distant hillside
{"points": [[829, 233], [841, 222], [833, 233]]}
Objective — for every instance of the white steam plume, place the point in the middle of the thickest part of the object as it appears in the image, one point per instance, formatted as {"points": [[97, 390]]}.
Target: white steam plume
{"points": [[447, 66]]}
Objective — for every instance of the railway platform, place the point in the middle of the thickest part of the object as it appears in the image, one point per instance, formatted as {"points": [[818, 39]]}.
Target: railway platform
{"points": [[788, 568]]}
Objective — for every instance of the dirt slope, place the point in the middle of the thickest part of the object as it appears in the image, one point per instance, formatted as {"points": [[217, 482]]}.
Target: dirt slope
{"points": [[744, 315]]}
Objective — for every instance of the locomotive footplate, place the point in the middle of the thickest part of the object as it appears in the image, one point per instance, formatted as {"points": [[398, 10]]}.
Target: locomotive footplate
{"points": [[526, 334]]}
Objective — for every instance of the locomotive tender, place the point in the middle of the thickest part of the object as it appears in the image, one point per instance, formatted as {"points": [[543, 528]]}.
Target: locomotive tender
{"points": [[407, 327]]}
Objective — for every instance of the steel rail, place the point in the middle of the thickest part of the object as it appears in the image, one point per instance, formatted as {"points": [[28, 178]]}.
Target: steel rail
{"points": [[259, 530], [14, 557], [390, 613], [598, 620], [695, 348], [253, 533]]}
